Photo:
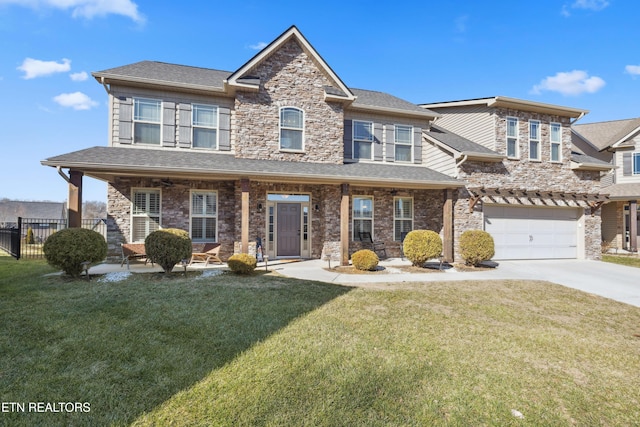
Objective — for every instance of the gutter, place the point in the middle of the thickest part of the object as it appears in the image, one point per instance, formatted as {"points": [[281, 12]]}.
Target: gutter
{"points": [[65, 177]]}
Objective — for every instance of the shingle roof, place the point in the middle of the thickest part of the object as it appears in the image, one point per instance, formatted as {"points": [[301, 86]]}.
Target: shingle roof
{"points": [[604, 134], [458, 143], [589, 162], [10, 210], [628, 191], [170, 162], [381, 99]]}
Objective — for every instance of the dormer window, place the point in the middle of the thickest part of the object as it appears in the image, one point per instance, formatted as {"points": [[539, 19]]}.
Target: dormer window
{"points": [[147, 121], [534, 140], [512, 138], [291, 129], [362, 140]]}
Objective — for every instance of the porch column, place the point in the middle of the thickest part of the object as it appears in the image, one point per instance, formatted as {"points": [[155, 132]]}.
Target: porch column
{"points": [[344, 225], [633, 225], [244, 224], [447, 225], [75, 199]]}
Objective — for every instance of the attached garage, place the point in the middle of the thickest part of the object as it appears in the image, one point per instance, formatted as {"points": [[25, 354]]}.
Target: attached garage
{"points": [[533, 232]]}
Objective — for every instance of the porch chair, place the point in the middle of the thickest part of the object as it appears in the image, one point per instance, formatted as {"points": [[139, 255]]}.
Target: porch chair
{"points": [[376, 246], [205, 252], [133, 251]]}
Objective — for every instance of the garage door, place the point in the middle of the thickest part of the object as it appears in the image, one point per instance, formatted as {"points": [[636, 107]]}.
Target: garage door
{"points": [[532, 233]]}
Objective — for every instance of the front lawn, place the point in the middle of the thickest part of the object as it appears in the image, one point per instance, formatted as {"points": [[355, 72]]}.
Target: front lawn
{"points": [[631, 261], [267, 350]]}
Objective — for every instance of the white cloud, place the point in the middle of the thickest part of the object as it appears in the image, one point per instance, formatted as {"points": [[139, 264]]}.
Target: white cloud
{"points": [[573, 82], [633, 70], [461, 23], [86, 8], [35, 68], [79, 77], [258, 46], [76, 100], [590, 4]]}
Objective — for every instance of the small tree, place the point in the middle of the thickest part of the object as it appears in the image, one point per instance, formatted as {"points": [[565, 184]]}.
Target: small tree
{"points": [[476, 246], [30, 240], [422, 245], [68, 249], [167, 247]]}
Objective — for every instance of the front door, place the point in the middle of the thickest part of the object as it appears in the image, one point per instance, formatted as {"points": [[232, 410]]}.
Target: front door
{"points": [[288, 235]]}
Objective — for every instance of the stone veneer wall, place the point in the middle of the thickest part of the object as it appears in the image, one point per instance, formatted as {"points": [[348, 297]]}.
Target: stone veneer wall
{"points": [[289, 78]]}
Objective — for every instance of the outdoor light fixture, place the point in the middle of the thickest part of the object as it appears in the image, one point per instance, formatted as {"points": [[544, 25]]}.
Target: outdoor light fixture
{"points": [[259, 207]]}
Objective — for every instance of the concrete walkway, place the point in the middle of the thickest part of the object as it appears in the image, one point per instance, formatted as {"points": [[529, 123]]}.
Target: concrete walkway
{"points": [[608, 280]]}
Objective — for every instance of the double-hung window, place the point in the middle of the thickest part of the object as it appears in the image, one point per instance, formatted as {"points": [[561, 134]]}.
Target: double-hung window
{"points": [[362, 140], [204, 125], [636, 163], [512, 138], [291, 129], [145, 213], [555, 138], [403, 143], [534, 140], [362, 216], [402, 217], [147, 121], [204, 216]]}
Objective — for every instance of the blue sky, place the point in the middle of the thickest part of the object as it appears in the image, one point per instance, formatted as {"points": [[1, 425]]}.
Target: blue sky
{"points": [[577, 53]]}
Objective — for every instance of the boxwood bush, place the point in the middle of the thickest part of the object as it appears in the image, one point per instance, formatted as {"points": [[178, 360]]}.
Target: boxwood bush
{"points": [[365, 260], [422, 245], [167, 247], [242, 263], [67, 249], [476, 246]]}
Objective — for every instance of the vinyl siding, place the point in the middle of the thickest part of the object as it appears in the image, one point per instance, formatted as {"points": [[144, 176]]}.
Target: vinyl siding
{"points": [[439, 160], [621, 177], [609, 223], [474, 122]]}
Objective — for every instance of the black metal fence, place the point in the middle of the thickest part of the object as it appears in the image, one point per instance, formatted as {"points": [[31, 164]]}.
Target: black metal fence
{"points": [[26, 238]]}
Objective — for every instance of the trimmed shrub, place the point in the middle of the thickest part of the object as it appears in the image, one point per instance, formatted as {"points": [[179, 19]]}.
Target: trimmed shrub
{"points": [[365, 260], [67, 249], [30, 240], [167, 247], [422, 245], [242, 263], [476, 246]]}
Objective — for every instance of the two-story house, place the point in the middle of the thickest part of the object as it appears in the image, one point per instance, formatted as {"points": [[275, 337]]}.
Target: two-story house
{"points": [[280, 149], [617, 143], [524, 185]]}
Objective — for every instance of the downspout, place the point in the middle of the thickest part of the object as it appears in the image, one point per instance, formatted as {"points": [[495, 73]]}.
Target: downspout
{"points": [[106, 87], [65, 177], [578, 118], [465, 157]]}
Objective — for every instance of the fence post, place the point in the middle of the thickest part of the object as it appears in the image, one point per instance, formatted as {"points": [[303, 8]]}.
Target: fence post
{"points": [[17, 238]]}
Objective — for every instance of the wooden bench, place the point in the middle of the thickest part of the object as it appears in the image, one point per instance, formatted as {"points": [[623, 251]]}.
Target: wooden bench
{"points": [[205, 252], [133, 251]]}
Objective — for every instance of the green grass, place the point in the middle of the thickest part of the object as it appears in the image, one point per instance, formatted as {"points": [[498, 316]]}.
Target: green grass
{"points": [[267, 350], [631, 261]]}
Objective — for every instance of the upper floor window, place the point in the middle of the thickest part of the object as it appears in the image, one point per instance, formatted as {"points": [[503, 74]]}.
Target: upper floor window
{"points": [[403, 143], [145, 213], [556, 142], [204, 125], [362, 216], [512, 137], [147, 114], [402, 217], [362, 140], [291, 128], [636, 163], [204, 216], [534, 140]]}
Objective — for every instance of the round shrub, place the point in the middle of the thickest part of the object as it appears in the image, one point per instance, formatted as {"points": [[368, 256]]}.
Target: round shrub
{"points": [[365, 260], [167, 247], [476, 246], [242, 263], [422, 245], [67, 249]]}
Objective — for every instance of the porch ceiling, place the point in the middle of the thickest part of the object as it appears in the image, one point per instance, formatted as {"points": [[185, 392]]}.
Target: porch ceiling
{"points": [[106, 163]]}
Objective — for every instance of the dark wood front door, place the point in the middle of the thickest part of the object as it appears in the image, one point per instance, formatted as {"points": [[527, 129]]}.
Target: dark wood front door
{"points": [[288, 229]]}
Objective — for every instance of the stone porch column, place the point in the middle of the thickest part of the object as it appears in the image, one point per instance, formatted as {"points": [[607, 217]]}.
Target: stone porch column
{"points": [[244, 224], [75, 199], [633, 225], [344, 225], [447, 225]]}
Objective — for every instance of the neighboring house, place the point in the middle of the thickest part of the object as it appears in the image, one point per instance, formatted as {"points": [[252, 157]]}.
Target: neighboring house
{"points": [[618, 143], [282, 150], [11, 210], [525, 186]]}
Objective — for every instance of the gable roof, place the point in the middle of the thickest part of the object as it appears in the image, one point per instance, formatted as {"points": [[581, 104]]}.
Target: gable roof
{"points": [[106, 162], [515, 103], [604, 135], [10, 210], [460, 146]]}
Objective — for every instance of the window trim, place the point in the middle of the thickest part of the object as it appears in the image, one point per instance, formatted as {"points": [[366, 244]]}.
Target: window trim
{"points": [[200, 215], [395, 218], [404, 144], [535, 141], [517, 137], [134, 121], [146, 190], [552, 142], [635, 156], [354, 140], [215, 127], [355, 218], [301, 130]]}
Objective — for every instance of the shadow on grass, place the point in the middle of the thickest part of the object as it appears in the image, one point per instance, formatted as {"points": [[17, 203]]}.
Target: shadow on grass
{"points": [[126, 347]]}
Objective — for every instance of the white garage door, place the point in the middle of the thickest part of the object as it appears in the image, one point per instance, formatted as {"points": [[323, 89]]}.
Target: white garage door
{"points": [[532, 233]]}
